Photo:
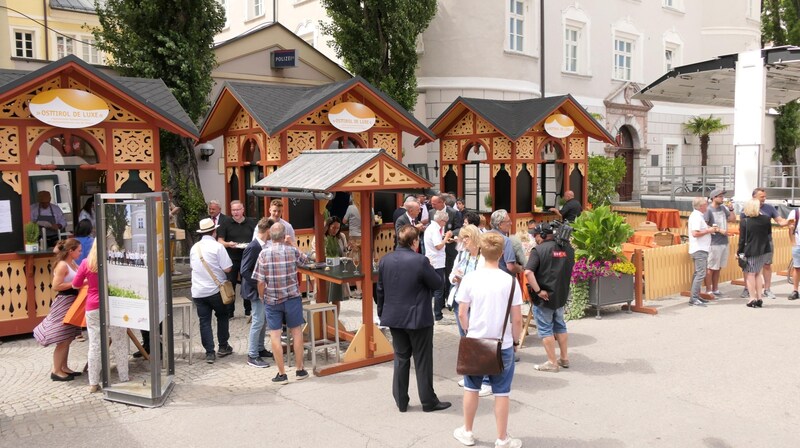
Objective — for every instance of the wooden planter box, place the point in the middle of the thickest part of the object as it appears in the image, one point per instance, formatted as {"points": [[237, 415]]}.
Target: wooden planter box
{"points": [[610, 290]]}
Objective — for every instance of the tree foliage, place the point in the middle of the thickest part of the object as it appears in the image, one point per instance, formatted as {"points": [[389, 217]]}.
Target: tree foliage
{"points": [[605, 173], [171, 40], [703, 128], [117, 221], [377, 39], [780, 26]]}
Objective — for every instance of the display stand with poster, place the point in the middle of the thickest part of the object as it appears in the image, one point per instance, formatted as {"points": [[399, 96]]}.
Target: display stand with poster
{"points": [[134, 275]]}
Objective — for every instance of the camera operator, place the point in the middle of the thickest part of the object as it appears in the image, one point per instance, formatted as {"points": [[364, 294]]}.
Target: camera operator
{"points": [[548, 272]]}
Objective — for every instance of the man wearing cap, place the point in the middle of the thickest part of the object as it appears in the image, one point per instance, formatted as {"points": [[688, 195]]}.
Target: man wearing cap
{"points": [[48, 215], [209, 255], [717, 215]]}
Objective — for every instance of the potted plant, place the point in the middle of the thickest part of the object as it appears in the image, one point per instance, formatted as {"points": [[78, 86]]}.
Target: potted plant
{"points": [[487, 201], [537, 206], [601, 275], [31, 231]]}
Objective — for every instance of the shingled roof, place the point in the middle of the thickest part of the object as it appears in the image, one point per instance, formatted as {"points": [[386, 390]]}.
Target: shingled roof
{"points": [[276, 107], [152, 94], [514, 118]]}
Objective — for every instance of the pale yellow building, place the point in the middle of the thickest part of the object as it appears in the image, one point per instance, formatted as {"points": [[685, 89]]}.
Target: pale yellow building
{"points": [[47, 30]]}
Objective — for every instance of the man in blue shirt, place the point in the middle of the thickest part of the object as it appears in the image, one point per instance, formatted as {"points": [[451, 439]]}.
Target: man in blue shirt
{"points": [[769, 210]]}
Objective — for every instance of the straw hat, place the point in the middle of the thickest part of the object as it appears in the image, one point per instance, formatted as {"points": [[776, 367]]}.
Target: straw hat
{"points": [[207, 225]]}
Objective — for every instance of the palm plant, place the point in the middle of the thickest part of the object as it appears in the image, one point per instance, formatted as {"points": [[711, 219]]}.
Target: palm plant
{"points": [[703, 128]]}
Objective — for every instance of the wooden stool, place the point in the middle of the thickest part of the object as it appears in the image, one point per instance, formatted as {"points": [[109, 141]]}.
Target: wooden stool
{"points": [[314, 344], [184, 334]]}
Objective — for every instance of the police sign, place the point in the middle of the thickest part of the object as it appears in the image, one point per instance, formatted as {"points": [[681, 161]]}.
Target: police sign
{"points": [[283, 59]]}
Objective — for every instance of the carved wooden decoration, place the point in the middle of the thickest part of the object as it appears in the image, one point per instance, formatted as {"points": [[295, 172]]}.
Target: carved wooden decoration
{"points": [[486, 143], [525, 148], [12, 178], [380, 122], [320, 117], [387, 141], [33, 133], [231, 149], [274, 148], [260, 140], [18, 107], [364, 136], [522, 223], [384, 242], [133, 145], [496, 169], [582, 168], [446, 168], [241, 122], [531, 167], [120, 177], [570, 169], [577, 148], [367, 176], [393, 176], [42, 283], [13, 290], [483, 127], [326, 137], [100, 135], [449, 150], [9, 144], [464, 126], [501, 148], [118, 114], [148, 177], [299, 141], [517, 168], [229, 174]]}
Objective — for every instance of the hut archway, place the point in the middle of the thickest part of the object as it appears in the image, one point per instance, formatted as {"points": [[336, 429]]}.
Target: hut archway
{"points": [[626, 141], [550, 179], [253, 205], [476, 178]]}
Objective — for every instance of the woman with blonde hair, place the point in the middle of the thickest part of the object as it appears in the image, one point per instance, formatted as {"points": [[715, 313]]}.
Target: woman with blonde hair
{"points": [[53, 330], [754, 244], [87, 273]]}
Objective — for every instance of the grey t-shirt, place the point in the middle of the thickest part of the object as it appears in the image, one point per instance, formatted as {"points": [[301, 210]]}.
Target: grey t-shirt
{"points": [[353, 218], [719, 216]]}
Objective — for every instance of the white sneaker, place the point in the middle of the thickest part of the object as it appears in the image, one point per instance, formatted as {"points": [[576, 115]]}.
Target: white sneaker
{"points": [[461, 382], [508, 443], [485, 391], [464, 436]]}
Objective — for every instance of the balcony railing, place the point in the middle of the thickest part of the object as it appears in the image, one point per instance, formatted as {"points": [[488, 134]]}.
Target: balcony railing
{"points": [[685, 180]]}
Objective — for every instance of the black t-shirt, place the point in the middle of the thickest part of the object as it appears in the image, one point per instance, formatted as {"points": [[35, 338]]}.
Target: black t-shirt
{"points": [[239, 232], [552, 265], [571, 210]]}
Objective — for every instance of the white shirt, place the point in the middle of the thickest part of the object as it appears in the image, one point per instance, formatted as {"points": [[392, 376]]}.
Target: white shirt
{"points": [[433, 237], [486, 291], [795, 215], [424, 215], [696, 222], [203, 285], [286, 225]]}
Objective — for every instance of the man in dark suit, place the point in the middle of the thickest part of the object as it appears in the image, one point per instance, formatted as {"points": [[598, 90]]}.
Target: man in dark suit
{"points": [[406, 281], [409, 218]]}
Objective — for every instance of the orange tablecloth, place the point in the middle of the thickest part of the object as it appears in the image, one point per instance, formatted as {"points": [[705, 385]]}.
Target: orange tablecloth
{"points": [[646, 238], [628, 248], [665, 218]]}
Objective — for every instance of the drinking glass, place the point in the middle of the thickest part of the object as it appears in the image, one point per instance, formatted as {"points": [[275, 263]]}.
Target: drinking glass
{"points": [[356, 261]]}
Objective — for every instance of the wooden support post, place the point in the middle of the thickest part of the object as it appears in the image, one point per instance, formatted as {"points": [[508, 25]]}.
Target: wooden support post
{"points": [[638, 306]]}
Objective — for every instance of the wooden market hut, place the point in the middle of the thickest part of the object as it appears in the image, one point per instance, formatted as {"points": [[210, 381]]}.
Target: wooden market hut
{"points": [[503, 154], [118, 154], [266, 126]]}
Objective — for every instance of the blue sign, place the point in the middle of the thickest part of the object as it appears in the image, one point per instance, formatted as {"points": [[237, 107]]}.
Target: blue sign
{"points": [[283, 59]]}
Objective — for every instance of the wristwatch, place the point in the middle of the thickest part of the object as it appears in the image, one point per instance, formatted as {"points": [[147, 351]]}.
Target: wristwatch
{"points": [[516, 343], [537, 292]]}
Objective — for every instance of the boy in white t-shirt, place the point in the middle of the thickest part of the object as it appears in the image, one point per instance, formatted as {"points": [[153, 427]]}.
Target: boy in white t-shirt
{"points": [[483, 300], [794, 237]]}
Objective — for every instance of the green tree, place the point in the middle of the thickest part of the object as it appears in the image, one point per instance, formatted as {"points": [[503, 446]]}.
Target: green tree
{"points": [[605, 173], [377, 39], [117, 219], [780, 26], [703, 128], [172, 40]]}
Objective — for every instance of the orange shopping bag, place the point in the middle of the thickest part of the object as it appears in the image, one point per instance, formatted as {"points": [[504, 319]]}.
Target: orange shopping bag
{"points": [[76, 315]]}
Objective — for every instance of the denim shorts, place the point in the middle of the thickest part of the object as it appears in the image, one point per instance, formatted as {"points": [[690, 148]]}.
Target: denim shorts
{"points": [[290, 311], [549, 321], [501, 383], [796, 256]]}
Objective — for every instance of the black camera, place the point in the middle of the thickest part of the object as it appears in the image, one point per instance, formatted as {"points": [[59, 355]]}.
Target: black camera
{"points": [[562, 232]]}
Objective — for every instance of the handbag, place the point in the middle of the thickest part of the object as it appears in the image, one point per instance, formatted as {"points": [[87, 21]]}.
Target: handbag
{"points": [[225, 288], [76, 314], [741, 258], [483, 356]]}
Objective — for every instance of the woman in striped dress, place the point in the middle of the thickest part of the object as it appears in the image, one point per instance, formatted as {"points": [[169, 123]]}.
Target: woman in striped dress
{"points": [[53, 330]]}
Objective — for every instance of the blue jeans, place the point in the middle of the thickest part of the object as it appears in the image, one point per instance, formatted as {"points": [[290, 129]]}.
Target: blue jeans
{"points": [[438, 296], [700, 264], [458, 321], [501, 383], [258, 328], [205, 305]]}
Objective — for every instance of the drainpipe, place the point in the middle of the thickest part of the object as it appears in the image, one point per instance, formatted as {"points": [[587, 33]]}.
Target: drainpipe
{"points": [[541, 46], [274, 11], [46, 34]]}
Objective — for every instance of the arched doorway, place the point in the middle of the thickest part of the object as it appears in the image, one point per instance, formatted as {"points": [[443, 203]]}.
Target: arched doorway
{"points": [[67, 159], [253, 205], [550, 180], [625, 139], [476, 178]]}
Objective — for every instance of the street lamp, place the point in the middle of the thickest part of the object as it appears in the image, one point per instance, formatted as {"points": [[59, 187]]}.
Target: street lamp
{"points": [[206, 151]]}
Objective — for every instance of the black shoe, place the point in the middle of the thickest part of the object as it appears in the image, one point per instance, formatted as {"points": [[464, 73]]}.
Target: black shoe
{"points": [[440, 406], [55, 377], [265, 354], [795, 295], [225, 351], [403, 408], [138, 355], [759, 303], [301, 374], [438, 318], [257, 362], [74, 374], [210, 358], [751, 304], [281, 379]]}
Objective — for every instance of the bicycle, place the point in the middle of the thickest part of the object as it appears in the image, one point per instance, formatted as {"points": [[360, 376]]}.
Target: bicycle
{"points": [[694, 187]]}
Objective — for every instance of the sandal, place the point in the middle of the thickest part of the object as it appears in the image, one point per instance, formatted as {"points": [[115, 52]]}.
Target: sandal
{"points": [[546, 367], [563, 363]]}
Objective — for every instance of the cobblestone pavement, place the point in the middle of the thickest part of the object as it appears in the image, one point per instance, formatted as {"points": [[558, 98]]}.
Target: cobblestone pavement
{"points": [[721, 376]]}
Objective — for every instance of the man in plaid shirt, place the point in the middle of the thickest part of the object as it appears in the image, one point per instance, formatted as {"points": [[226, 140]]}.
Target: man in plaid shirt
{"points": [[276, 273]]}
